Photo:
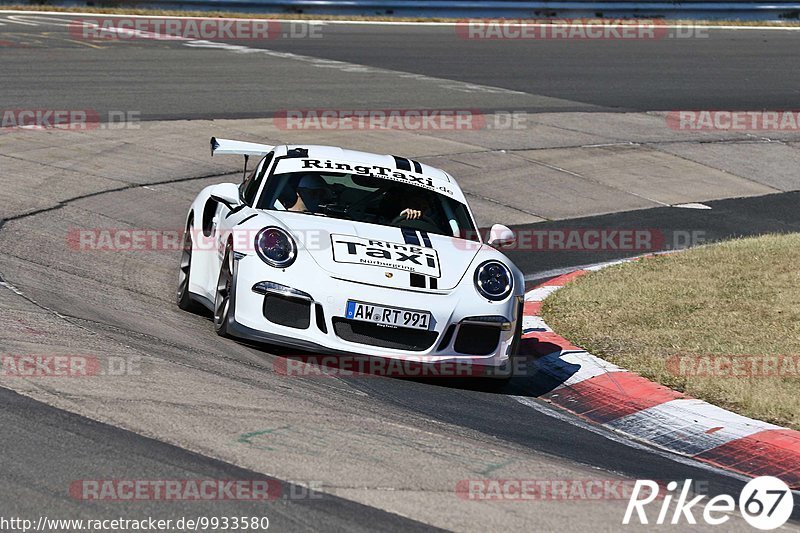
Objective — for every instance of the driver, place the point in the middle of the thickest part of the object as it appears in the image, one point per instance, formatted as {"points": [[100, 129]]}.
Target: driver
{"points": [[312, 191], [419, 204]]}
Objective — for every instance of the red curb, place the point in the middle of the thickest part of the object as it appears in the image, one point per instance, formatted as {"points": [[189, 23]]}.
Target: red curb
{"points": [[563, 279], [611, 396], [774, 452], [532, 308]]}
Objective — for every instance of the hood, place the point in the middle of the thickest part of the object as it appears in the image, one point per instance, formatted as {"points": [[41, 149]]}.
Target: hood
{"points": [[387, 256]]}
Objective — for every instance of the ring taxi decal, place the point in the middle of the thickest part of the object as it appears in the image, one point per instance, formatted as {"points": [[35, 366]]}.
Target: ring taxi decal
{"points": [[384, 254]]}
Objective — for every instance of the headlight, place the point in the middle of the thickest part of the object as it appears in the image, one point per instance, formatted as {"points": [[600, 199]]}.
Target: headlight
{"points": [[275, 247], [493, 280]]}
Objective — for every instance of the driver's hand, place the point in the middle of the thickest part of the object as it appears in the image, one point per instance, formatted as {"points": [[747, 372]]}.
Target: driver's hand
{"points": [[411, 214]]}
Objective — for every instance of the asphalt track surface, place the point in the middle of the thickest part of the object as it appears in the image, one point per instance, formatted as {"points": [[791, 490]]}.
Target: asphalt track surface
{"points": [[47, 448], [730, 218], [713, 69], [38, 437]]}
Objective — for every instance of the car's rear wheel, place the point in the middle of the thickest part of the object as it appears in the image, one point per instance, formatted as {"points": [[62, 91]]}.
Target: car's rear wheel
{"points": [[184, 297], [223, 306]]}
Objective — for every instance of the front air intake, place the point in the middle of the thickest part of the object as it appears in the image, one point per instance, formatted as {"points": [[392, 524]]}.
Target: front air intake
{"points": [[474, 339], [289, 312]]}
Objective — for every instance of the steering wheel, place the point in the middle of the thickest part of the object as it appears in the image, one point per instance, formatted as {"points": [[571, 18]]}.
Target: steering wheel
{"points": [[425, 221], [366, 199]]}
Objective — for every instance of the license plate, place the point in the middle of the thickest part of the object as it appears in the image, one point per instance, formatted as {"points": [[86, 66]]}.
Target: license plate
{"points": [[388, 316]]}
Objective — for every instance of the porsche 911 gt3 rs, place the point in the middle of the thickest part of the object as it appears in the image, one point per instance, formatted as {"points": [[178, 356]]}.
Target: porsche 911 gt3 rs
{"points": [[338, 251]]}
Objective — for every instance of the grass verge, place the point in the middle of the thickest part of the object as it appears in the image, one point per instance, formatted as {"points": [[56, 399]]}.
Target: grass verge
{"points": [[720, 323]]}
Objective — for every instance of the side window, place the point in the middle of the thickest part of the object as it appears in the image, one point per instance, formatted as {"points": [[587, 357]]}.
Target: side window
{"points": [[249, 187]]}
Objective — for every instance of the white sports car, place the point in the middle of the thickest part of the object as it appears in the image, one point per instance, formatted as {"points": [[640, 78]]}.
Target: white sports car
{"points": [[342, 252]]}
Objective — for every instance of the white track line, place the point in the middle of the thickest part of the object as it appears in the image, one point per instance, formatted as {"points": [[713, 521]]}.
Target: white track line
{"points": [[565, 416], [13, 20], [540, 293], [566, 270], [35, 20], [699, 425], [389, 23], [344, 66], [341, 66], [561, 365]]}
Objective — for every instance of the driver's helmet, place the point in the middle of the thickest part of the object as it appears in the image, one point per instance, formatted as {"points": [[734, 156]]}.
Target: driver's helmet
{"points": [[314, 191]]}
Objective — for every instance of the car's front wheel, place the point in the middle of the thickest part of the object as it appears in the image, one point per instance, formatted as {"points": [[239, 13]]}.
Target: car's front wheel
{"points": [[223, 304], [503, 375]]}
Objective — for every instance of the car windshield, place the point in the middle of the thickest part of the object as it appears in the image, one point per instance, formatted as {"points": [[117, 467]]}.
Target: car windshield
{"points": [[368, 199]]}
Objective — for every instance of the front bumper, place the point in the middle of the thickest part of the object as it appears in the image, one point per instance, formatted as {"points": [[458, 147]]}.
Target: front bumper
{"points": [[309, 314]]}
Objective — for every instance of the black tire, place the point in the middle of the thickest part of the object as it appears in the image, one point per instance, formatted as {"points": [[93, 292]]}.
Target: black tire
{"points": [[514, 357], [517, 342], [184, 297], [223, 301], [505, 375]]}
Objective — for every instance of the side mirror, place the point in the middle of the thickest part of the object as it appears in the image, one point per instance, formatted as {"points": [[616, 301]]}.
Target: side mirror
{"points": [[227, 194], [501, 236]]}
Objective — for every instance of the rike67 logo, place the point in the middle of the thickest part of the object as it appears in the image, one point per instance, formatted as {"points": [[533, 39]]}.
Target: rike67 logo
{"points": [[765, 503]]}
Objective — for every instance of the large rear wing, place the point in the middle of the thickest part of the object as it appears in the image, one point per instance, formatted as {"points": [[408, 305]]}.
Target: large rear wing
{"points": [[227, 146]]}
